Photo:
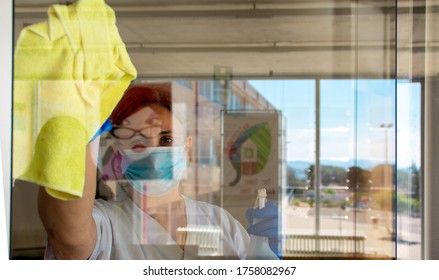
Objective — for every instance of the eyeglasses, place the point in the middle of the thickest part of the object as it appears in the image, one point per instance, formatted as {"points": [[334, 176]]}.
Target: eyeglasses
{"points": [[121, 132]]}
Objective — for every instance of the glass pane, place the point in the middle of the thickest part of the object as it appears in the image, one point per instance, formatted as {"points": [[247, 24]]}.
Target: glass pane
{"points": [[408, 177], [296, 100], [357, 159], [315, 102], [412, 28]]}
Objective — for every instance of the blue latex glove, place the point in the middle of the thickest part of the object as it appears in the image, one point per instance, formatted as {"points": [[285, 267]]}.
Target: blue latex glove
{"points": [[268, 225], [106, 126]]}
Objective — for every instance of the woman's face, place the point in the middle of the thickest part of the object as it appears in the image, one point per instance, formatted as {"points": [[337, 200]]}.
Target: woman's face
{"points": [[154, 126]]}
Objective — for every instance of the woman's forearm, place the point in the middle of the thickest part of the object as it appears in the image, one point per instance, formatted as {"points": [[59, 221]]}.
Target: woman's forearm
{"points": [[70, 227]]}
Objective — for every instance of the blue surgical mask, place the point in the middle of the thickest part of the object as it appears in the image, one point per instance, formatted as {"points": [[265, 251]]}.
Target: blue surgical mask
{"points": [[155, 171]]}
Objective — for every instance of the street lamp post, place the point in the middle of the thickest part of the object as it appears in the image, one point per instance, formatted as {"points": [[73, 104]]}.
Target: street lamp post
{"points": [[386, 127], [386, 171]]}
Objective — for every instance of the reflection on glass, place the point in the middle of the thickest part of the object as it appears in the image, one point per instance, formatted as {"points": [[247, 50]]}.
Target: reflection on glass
{"points": [[165, 223], [357, 168], [408, 177], [350, 174], [357, 165]]}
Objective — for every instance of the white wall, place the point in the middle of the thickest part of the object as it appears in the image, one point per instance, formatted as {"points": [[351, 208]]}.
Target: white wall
{"points": [[431, 140], [431, 189], [5, 121]]}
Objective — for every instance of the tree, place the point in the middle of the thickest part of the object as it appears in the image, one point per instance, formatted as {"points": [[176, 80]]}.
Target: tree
{"points": [[358, 177], [310, 176], [416, 180], [333, 175], [292, 179]]}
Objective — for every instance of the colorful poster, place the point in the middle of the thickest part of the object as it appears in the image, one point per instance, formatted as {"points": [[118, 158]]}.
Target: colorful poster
{"points": [[251, 155]]}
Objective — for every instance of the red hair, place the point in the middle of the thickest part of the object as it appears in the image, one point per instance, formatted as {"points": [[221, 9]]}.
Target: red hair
{"points": [[138, 97]]}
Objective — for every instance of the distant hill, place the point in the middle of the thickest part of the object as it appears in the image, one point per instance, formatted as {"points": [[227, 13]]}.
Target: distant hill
{"points": [[299, 165], [360, 163], [302, 165]]}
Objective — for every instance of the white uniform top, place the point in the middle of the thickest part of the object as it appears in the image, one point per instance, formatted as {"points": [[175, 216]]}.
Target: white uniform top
{"points": [[124, 231]]}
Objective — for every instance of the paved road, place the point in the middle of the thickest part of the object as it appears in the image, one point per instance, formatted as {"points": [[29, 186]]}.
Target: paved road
{"points": [[376, 225]]}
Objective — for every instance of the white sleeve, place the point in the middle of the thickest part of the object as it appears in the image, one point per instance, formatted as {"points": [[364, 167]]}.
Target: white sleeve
{"points": [[102, 250], [241, 238]]}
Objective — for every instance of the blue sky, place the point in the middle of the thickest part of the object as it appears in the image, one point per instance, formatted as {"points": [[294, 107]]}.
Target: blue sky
{"points": [[352, 112]]}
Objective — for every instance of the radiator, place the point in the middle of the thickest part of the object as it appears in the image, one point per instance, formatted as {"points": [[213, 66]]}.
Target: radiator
{"points": [[333, 245], [208, 239]]}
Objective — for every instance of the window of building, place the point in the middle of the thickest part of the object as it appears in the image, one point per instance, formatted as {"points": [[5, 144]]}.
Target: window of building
{"points": [[329, 97]]}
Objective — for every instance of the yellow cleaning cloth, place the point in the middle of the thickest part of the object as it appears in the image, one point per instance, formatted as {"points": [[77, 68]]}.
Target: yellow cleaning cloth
{"points": [[69, 73]]}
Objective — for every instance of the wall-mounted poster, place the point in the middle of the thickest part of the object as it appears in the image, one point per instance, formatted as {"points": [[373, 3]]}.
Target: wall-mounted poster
{"points": [[251, 143]]}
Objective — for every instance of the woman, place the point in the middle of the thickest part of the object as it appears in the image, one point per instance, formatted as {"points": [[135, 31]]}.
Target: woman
{"points": [[151, 148]]}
